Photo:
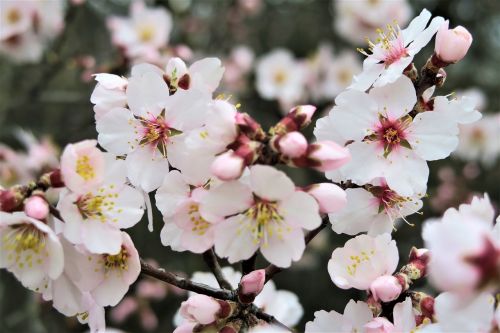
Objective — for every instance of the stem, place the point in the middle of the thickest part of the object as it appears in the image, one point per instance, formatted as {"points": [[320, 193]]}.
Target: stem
{"points": [[272, 270], [271, 320], [212, 262], [186, 284]]}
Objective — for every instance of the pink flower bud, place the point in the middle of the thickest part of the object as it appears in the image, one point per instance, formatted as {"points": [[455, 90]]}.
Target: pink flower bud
{"points": [[10, 199], [301, 115], [452, 44], [200, 308], [36, 207], [328, 155], [293, 144], [379, 325], [251, 285], [330, 197], [386, 288], [227, 166]]}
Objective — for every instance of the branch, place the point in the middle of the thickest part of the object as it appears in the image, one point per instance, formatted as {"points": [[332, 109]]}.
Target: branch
{"points": [[186, 284], [271, 320], [272, 270], [212, 262]]}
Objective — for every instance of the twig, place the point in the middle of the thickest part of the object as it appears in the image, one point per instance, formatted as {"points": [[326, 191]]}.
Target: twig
{"points": [[186, 284], [212, 262], [271, 320], [272, 270]]}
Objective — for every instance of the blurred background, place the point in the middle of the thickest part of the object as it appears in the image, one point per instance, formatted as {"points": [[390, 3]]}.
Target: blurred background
{"points": [[49, 50]]}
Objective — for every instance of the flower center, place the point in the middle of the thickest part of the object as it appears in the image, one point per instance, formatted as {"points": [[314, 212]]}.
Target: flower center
{"points": [[391, 202], [146, 33], [84, 168], [390, 134], [200, 225], [13, 16], [116, 261], [96, 207], [356, 260], [24, 244], [389, 47], [266, 220], [156, 132], [280, 77]]}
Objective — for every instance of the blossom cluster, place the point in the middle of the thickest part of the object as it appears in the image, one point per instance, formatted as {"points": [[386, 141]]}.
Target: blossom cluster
{"points": [[218, 179]]}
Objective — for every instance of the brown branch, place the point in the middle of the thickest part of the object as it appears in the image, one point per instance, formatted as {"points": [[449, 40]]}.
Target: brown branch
{"points": [[212, 262], [272, 270], [186, 284], [271, 320]]}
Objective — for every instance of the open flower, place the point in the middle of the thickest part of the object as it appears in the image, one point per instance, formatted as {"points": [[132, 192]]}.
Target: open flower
{"points": [[266, 212], [374, 210], [386, 141], [106, 277], [144, 33], [468, 258], [94, 218], [362, 260], [180, 206], [30, 250], [394, 51], [356, 316]]}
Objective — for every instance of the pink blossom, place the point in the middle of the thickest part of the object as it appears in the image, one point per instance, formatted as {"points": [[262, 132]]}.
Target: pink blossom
{"points": [[452, 44], [200, 308], [227, 166], [293, 144], [330, 197], [386, 288], [36, 207], [328, 155]]}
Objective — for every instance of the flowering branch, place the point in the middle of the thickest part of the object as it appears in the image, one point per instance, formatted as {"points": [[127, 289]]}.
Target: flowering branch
{"points": [[184, 283], [212, 262]]}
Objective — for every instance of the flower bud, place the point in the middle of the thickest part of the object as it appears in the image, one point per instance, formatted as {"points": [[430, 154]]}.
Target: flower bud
{"points": [[386, 288], [227, 166], [36, 207], [330, 197], [328, 155], [200, 308], [452, 44], [292, 144], [251, 285], [379, 325], [11, 199]]}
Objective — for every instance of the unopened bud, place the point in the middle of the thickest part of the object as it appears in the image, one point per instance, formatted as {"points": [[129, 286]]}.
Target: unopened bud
{"points": [[11, 199], [330, 197], [249, 127], [36, 207], [452, 44], [227, 166], [200, 308], [423, 303], [251, 285], [328, 155], [379, 325], [292, 144], [386, 288], [52, 179]]}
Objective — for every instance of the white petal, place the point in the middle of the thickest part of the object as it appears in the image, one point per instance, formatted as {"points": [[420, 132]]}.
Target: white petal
{"points": [[170, 235], [171, 193], [281, 251], [395, 99], [206, 74], [111, 291], [117, 131], [146, 168], [371, 72], [406, 173], [300, 210], [269, 183], [146, 94], [416, 26], [225, 200], [234, 242], [186, 109], [101, 238]]}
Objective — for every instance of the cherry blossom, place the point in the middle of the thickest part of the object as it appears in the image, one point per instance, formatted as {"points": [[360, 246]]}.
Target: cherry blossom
{"points": [[265, 213], [180, 206], [362, 260], [144, 33], [374, 209], [106, 277], [95, 216], [468, 257], [109, 93], [356, 316], [395, 51], [30, 250], [280, 76], [388, 142]]}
